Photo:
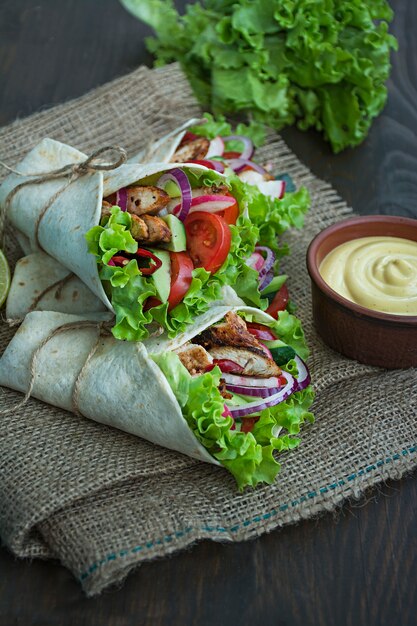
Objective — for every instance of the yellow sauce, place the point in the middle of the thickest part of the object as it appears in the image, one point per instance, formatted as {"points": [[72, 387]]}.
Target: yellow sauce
{"points": [[379, 273]]}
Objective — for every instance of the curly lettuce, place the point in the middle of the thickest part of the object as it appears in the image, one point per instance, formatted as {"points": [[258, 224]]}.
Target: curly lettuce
{"points": [[321, 64], [249, 457]]}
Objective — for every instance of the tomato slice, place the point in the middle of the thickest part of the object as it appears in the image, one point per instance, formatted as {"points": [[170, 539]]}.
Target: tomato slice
{"points": [[279, 303], [181, 277], [260, 331], [231, 213], [208, 239], [248, 423]]}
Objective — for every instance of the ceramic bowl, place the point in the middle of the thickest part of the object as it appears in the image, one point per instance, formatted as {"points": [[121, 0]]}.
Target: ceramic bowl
{"points": [[370, 337]]}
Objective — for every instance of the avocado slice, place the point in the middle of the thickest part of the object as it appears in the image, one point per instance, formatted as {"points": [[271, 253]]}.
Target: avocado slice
{"points": [[162, 276], [178, 242]]}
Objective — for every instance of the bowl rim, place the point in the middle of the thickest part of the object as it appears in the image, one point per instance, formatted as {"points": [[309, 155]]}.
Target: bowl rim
{"points": [[316, 242]]}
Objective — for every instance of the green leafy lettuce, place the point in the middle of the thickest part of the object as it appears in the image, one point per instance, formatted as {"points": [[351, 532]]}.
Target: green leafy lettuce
{"points": [[248, 456], [320, 64], [260, 217]]}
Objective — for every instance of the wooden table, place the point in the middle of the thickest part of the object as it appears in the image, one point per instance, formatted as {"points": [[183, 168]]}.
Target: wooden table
{"points": [[358, 567]]}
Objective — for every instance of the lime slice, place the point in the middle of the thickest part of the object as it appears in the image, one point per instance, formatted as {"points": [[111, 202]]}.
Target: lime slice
{"points": [[4, 278]]}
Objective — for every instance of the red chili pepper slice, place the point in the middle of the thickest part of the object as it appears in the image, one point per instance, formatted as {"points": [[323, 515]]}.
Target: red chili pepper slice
{"points": [[120, 261], [148, 271]]}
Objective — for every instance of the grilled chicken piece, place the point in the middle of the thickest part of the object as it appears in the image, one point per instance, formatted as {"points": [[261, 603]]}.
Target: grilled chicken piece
{"points": [[138, 229], [158, 231], [254, 363], [195, 149], [232, 332], [231, 340], [195, 358], [141, 200], [212, 190], [105, 209]]}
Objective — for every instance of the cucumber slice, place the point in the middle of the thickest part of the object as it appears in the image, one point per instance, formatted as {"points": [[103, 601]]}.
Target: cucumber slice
{"points": [[281, 353]]}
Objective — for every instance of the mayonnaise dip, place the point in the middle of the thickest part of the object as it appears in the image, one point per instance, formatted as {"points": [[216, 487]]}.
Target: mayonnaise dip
{"points": [[379, 273]]}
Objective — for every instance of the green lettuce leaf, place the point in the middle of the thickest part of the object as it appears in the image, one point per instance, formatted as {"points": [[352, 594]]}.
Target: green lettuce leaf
{"points": [[279, 62], [248, 456]]}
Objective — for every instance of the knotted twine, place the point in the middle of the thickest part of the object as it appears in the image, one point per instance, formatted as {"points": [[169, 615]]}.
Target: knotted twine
{"points": [[72, 170]]}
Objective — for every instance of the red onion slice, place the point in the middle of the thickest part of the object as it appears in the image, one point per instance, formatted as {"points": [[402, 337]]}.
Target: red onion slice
{"points": [[181, 179], [121, 198], [238, 164], [303, 379], [216, 148], [255, 261], [251, 381], [255, 407], [268, 263], [209, 204], [266, 280], [248, 148], [260, 392]]}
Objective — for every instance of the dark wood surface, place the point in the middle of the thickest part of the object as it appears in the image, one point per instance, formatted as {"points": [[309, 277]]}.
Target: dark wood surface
{"points": [[357, 567]]}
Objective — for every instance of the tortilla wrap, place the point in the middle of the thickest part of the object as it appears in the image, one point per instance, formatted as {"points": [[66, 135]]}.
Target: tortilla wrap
{"points": [[138, 399], [37, 272], [145, 389], [119, 385], [77, 208]]}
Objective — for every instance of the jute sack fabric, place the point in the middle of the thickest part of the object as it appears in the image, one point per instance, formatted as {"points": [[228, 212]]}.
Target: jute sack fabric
{"points": [[102, 501]]}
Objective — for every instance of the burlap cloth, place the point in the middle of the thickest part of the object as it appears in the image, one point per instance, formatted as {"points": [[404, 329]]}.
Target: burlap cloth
{"points": [[102, 501]]}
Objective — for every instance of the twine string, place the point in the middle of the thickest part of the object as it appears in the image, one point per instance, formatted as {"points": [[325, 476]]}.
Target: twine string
{"points": [[102, 327], [93, 163]]}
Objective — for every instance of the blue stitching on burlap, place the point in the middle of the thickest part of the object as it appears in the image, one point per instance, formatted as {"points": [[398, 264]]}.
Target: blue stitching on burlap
{"points": [[255, 520]]}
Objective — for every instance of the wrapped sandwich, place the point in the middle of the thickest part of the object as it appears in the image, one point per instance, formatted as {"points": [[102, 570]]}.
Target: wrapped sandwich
{"points": [[233, 390], [158, 244]]}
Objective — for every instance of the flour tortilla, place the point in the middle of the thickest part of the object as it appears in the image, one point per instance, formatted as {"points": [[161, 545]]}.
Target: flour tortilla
{"points": [[162, 150], [120, 386], [36, 273], [62, 229]]}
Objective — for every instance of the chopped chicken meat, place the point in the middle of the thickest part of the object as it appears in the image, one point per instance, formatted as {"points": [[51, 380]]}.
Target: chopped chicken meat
{"points": [[195, 358], [231, 340], [158, 230], [195, 149], [143, 199]]}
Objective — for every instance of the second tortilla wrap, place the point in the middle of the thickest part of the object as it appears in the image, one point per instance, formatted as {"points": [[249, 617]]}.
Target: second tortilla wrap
{"points": [[136, 397], [145, 389]]}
